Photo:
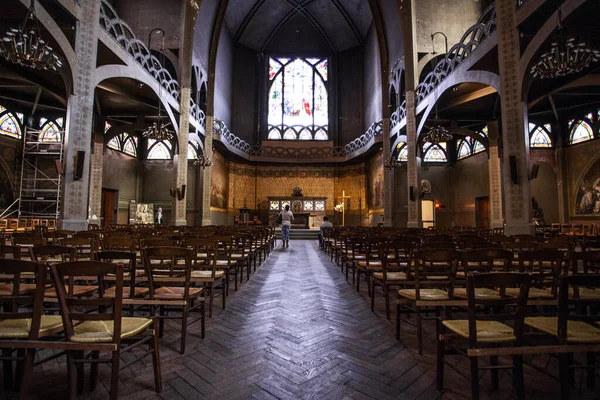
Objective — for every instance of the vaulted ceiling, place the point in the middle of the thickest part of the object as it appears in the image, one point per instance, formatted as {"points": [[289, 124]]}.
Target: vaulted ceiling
{"points": [[342, 23]]}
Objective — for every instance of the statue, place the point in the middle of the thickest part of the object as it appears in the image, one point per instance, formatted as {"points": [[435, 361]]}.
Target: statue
{"points": [[297, 192]]}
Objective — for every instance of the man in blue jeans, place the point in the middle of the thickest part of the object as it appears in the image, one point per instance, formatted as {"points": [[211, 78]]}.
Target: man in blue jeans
{"points": [[325, 224]]}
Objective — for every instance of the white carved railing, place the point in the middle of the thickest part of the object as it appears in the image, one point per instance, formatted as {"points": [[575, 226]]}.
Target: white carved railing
{"points": [[376, 129], [471, 39]]}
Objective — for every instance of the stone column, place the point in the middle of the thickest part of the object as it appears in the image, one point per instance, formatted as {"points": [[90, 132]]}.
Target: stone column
{"points": [[388, 178], [515, 135], [78, 132], [180, 160], [207, 171], [409, 23], [495, 174], [561, 183], [96, 180]]}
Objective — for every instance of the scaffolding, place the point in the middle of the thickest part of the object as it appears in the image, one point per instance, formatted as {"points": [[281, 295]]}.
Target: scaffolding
{"points": [[41, 177]]}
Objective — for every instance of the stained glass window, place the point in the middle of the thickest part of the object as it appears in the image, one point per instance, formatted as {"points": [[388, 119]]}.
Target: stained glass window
{"points": [[580, 132], [107, 126], [478, 147], [2, 109], [298, 97], [158, 150], [285, 203], [60, 122], [539, 136], [464, 150], [435, 153], [319, 205], [192, 150], [50, 133], [114, 143], [21, 117], [274, 134], [308, 206], [9, 125], [274, 205], [485, 131], [403, 151], [130, 146]]}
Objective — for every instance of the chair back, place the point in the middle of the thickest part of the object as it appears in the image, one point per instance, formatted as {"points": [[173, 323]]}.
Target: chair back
{"points": [[16, 299], [545, 267], [119, 243], [505, 308], [523, 238], [83, 248], [436, 268], [129, 261], [156, 242], [486, 260], [590, 262], [573, 304], [51, 253], [168, 266], [396, 256], [78, 310], [205, 254]]}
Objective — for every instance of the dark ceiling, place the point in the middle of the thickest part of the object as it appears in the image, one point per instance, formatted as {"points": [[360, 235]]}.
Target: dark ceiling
{"points": [[255, 23]]}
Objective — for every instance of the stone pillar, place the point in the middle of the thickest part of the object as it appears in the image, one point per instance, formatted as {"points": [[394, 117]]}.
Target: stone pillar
{"points": [[561, 182], [495, 174], [78, 132], [515, 135], [409, 24], [207, 171], [180, 160], [388, 178], [96, 164]]}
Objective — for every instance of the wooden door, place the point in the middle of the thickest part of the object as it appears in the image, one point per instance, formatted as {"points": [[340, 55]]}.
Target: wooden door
{"points": [[110, 201], [482, 212]]}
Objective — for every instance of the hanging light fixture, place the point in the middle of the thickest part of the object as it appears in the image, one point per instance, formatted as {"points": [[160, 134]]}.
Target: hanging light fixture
{"points": [[158, 130], [203, 161], [391, 162], [25, 46], [566, 55]]}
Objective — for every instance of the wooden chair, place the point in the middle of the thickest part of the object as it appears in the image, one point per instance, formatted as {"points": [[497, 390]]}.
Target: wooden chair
{"points": [[87, 321], [10, 252], [488, 330], [205, 267], [434, 274], [482, 261], [21, 318], [84, 248], [545, 268], [574, 325], [129, 261], [174, 284], [25, 242], [396, 261]]}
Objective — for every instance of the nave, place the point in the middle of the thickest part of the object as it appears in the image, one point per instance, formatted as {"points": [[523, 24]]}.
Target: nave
{"points": [[295, 330]]}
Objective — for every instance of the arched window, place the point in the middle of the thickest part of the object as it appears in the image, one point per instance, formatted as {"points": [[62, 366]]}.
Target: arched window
{"points": [[274, 134], [484, 131], [298, 98], [9, 124], [193, 147], [130, 146], [114, 143], [539, 135], [159, 150], [107, 126], [50, 131], [434, 152], [464, 150], [402, 148], [581, 131]]}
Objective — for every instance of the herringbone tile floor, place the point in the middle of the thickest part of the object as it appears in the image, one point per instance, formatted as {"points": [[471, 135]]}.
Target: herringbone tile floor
{"points": [[296, 330]]}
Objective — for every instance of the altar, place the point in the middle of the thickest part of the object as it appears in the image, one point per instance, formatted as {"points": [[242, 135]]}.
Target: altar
{"points": [[308, 211]]}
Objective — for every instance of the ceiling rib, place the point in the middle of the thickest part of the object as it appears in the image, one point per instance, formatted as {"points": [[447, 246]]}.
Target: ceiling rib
{"points": [[300, 8], [247, 20], [349, 21]]}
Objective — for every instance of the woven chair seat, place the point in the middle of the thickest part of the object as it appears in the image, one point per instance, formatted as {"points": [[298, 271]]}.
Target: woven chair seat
{"points": [[391, 276], [102, 331], [6, 289], [534, 293], [426, 294], [207, 274], [586, 293], [78, 290], [577, 331], [487, 331], [19, 328], [174, 293], [138, 292], [480, 293]]}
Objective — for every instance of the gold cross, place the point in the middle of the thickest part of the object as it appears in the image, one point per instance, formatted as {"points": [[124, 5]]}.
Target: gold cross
{"points": [[344, 197]]}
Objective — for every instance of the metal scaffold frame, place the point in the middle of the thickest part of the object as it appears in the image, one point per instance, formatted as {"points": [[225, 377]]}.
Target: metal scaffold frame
{"points": [[41, 178]]}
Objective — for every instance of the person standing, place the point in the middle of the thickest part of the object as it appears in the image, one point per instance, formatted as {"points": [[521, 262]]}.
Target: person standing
{"points": [[325, 224], [286, 222]]}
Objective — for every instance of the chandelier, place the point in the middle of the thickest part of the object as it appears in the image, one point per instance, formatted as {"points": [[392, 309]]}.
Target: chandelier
{"points": [[391, 162], [158, 130], [203, 161], [25, 46], [566, 56], [437, 134]]}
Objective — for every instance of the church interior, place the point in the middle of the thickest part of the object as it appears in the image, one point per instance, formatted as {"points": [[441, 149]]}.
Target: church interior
{"points": [[438, 129]]}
